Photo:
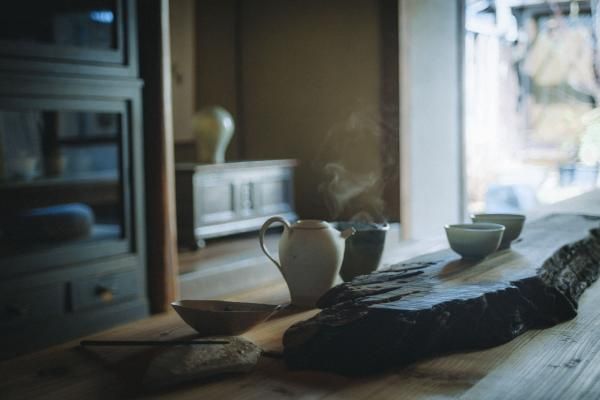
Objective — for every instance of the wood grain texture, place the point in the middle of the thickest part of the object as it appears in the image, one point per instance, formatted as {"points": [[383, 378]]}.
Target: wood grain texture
{"points": [[556, 362], [161, 230], [64, 372], [439, 303]]}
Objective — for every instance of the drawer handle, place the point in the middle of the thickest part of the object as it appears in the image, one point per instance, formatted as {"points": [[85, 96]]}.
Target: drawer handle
{"points": [[106, 294]]}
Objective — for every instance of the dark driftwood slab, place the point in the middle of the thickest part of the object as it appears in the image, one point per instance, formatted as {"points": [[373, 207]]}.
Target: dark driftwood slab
{"points": [[438, 303]]}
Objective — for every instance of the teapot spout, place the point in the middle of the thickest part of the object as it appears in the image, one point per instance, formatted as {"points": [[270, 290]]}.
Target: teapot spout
{"points": [[346, 233]]}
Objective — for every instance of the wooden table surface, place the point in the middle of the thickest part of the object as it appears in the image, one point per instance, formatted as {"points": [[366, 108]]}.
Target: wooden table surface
{"points": [[562, 362]]}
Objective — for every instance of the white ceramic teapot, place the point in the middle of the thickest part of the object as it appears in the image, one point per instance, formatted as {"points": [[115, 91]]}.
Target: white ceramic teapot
{"points": [[311, 253]]}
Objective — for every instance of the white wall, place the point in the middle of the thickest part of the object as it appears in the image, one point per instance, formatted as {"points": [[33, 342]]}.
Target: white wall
{"points": [[431, 42]]}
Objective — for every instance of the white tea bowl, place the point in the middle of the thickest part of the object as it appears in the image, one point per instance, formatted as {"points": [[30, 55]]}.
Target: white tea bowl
{"points": [[512, 222], [476, 240]]}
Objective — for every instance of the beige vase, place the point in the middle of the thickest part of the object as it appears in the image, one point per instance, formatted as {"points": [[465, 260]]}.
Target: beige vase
{"points": [[213, 129]]}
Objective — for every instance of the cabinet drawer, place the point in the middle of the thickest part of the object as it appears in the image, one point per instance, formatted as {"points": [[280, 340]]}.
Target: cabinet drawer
{"points": [[32, 303], [214, 200], [103, 289]]}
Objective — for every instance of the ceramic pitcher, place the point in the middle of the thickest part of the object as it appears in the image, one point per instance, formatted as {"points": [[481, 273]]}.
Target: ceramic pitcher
{"points": [[310, 254]]}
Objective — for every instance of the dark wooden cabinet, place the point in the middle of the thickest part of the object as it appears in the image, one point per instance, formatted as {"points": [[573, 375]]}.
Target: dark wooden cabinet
{"points": [[93, 38], [222, 199], [72, 236]]}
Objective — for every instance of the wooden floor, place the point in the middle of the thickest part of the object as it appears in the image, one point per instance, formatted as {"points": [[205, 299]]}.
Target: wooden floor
{"points": [[562, 362]]}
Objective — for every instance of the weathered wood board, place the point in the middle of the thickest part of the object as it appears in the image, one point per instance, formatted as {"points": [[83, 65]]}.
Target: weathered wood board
{"points": [[439, 303]]}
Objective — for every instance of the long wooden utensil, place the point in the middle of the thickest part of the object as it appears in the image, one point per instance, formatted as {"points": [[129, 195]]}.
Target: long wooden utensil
{"points": [[107, 343]]}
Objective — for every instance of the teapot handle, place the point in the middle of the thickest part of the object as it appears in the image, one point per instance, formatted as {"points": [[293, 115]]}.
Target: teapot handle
{"points": [[261, 237]]}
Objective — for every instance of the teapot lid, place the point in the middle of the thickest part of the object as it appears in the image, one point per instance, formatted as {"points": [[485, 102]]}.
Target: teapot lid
{"points": [[311, 224]]}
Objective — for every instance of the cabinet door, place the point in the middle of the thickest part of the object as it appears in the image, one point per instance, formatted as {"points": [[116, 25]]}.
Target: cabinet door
{"points": [[65, 181], [69, 36]]}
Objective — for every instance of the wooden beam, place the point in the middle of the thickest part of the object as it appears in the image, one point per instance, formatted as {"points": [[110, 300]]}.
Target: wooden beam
{"points": [[390, 108], [161, 234]]}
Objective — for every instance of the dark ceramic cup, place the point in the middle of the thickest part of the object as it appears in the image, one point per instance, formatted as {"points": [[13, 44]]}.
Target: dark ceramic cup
{"points": [[363, 249]]}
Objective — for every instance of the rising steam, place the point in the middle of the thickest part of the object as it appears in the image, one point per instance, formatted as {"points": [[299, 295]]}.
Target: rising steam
{"points": [[352, 184], [343, 189]]}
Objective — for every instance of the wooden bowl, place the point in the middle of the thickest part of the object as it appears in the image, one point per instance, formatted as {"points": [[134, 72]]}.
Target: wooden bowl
{"points": [[223, 318]]}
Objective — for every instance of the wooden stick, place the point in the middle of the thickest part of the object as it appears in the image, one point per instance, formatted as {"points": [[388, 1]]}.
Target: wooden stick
{"points": [[148, 342]]}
